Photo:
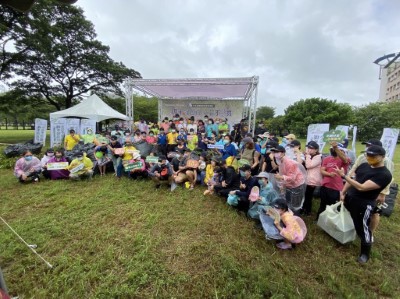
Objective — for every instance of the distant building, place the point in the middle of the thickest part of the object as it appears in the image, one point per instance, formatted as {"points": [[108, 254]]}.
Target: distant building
{"points": [[389, 74]]}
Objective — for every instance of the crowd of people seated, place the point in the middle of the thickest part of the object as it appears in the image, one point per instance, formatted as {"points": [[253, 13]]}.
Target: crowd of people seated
{"points": [[272, 181]]}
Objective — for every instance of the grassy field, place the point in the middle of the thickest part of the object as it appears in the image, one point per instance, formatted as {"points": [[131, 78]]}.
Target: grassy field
{"points": [[112, 238], [16, 136]]}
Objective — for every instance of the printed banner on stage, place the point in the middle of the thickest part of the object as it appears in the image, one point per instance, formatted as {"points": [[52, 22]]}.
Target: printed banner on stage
{"points": [[316, 132], [40, 130], [72, 124], [389, 141], [57, 132], [218, 109], [87, 124]]}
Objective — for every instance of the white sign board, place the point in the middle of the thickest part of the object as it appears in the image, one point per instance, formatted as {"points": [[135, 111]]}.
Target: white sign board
{"points": [[40, 130], [217, 146], [315, 133], [353, 144], [389, 141], [230, 109], [57, 165], [57, 132], [72, 124], [85, 125]]}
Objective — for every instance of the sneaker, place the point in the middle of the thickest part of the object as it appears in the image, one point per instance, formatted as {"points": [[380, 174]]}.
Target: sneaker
{"points": [[173, 186], [284, 245], [362, 259]]}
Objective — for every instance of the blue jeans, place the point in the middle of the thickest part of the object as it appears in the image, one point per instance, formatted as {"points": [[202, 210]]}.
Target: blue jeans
{"points": [[271, 231]]}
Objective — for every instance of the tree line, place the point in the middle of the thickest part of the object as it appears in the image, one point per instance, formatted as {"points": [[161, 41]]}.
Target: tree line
{"points": [[370, 119]]}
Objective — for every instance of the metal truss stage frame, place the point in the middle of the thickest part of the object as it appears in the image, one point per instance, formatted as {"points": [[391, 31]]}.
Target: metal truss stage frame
{"points": [[211, 89]]}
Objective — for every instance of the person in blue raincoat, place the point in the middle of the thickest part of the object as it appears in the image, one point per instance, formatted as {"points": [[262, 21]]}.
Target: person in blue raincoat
{"points": [[267, 196]]}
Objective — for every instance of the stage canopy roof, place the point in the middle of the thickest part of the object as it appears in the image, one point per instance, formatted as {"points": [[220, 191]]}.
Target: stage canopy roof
{"points": [[206, 89], [93, 108]]}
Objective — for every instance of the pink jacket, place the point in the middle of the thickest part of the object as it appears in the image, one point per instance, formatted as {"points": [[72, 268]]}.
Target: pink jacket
{"points": [[292, 175], [314, 177], [23, 166]]}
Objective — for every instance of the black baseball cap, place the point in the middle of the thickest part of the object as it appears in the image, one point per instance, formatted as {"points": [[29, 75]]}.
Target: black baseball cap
{"points": [[375, 150], [114, 138], [313, 145], [280, 203], [372, 142], [279, 149], [294, 143]]}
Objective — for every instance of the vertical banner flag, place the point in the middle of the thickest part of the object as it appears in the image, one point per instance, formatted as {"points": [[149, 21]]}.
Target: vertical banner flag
{"points": [[344, 129], [315, 133], [85, 125], [353, 144], [57, 131], [389, 141], [72, 124], [40, 131]]}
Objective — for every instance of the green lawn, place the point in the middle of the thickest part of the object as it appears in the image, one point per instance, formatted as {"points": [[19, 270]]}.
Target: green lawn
{"points": [[112, 238], [16, 136]]}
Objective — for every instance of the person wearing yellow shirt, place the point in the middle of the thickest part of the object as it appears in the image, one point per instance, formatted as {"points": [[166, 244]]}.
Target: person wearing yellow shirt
{"points": [[171, 140], [129, 150], [192, 140], [71, 140], [80, 167]]}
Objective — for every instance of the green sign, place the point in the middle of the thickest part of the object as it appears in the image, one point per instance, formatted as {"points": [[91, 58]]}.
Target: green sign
{"points": [[152, 159], [334, 135], [134, 165]]}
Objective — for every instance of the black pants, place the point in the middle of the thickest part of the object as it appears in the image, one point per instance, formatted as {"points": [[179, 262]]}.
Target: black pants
{"points": [[308, 197], [33, 175], [46, 174], [361, 214], [171, 147], [137, 174], [328, 197], [162, 149]]}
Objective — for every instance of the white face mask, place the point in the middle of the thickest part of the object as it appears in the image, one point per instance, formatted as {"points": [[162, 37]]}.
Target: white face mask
{"points": [[80, 158]]}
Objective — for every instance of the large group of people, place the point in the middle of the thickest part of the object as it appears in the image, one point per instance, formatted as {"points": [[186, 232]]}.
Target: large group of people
{"points": [[271, 181]]}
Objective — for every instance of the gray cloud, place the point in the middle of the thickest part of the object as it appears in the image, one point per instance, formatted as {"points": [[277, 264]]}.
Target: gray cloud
{"points": [[299, 49]]}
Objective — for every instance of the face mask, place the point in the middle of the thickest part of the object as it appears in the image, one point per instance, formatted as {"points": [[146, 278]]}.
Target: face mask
{"points": [[372, 160], [210, 122], [58, 156], [242, 173], [80, 158], [258, 139], [217, 122], [161, 132], [151, 134], [226, 141], [50, 154], [173, 131], [261, 182], [206, 119], [126, 134], [182, 133], [191, 133], [28, 158], [181, 122]]}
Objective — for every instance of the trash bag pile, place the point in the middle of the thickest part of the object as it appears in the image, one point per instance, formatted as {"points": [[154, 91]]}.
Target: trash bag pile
{"points": [[16, 150]]}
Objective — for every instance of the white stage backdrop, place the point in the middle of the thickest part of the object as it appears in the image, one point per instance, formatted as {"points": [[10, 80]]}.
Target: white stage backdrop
{"points": [[232, 110]]}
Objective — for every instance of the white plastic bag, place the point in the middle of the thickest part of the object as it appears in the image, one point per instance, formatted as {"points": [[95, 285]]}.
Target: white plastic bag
{"points": [[337, 223]]}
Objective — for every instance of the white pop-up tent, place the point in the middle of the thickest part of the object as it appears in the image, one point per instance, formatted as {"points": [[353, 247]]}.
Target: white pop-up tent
{"points": [[92, 108]]}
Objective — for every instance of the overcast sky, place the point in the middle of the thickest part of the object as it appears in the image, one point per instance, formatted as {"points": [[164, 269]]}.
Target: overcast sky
{"points": [[298, 48]]}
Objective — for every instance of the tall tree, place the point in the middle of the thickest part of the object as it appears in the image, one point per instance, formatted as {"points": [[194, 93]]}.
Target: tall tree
{"points": [[373, 118], [62, 57], [316, 110], [265, 112]]}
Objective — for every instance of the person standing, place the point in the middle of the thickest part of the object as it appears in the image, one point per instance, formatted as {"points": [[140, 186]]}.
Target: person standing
{"points": [[71, 140], [314, 177], [360, 194], [332, 183]]}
